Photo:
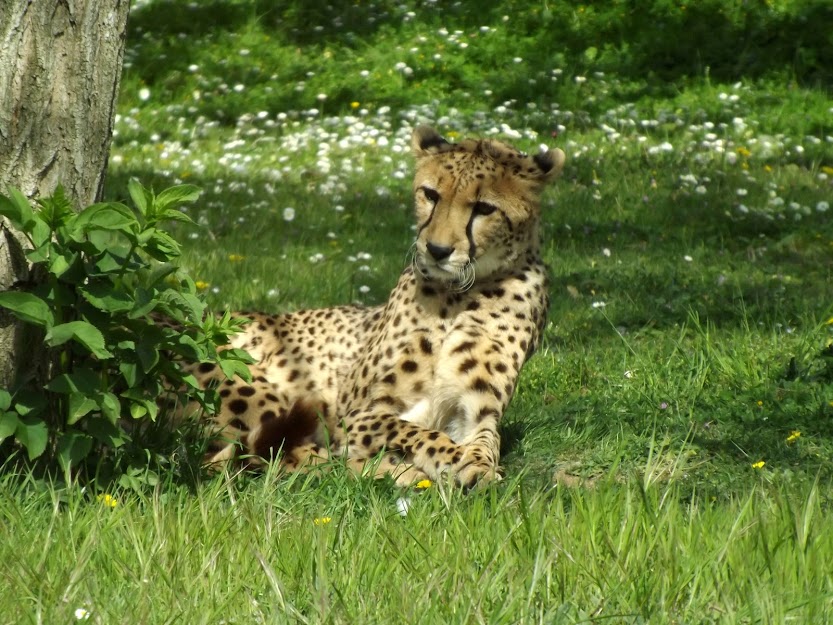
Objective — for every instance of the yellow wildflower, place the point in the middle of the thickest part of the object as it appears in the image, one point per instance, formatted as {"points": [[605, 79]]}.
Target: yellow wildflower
{"points": [[793, 436], [743, 151], [827, 170], [235, 258], [322, 520], [423, 484], [201, 285], [355, 105], [108, 500], [829, 321], [758, 465], [767, 168], [760, 403]]}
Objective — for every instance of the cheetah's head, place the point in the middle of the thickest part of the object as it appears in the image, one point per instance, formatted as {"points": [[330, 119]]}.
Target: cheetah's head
{"points": [[477, 206]]}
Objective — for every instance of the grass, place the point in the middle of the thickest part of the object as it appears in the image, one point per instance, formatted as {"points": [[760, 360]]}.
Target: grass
{"points": [[334, 550], [690, 243]]}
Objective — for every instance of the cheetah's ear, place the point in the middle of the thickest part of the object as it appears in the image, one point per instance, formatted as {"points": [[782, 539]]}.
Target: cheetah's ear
{"points": [[550, 163], [426, 140]]}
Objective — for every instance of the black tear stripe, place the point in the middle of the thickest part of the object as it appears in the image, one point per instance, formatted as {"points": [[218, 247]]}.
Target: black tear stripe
{"points": [[508, 221], [427, 221], [470, 237]]}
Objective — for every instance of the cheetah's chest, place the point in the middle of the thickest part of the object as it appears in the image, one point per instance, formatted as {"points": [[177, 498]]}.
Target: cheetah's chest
{"points": [[431, 349]]}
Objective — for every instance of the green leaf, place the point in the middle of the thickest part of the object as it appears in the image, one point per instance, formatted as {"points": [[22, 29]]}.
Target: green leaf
{"points": [[148, 355], [5, 399], [12, 211], [106, 296], [188, 348], [82, 380], [105, 216], [110, 406], [106, 432], [41, 233], [61, 262], [235, 367], [114, 260], [140, 196], [30, 402], [175, 196], [238, 354], [143, 305], [56, 209], [82, 332], [79, 406], [73, 447], [8, 424], [175, 215], [130, 372], [137, 411], [27, 307], [33, 434], [162, 247]]}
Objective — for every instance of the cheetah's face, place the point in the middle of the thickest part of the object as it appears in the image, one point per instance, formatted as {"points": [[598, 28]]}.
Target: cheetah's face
{"points": [[477, 205]]}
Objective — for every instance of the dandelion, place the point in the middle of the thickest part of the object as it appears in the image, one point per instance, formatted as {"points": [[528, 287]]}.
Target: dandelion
{"points": [[794, 435], [321, 520], [202, 285], [829, 322], [81, 614], [744, 152], [235, 258], [760, 403], [288, 213], [108, 500], [423, 484], [758, 465], [355, 105]]}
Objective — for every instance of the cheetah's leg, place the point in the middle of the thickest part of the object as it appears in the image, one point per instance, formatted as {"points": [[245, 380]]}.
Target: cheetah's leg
{"points": [[429, 451]]}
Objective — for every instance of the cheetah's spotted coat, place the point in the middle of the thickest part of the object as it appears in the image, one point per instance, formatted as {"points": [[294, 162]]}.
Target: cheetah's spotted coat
{"points": [[425, 378]]}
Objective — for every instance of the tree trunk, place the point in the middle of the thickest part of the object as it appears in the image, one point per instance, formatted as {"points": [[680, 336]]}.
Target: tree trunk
{"points": [[60, 64]]}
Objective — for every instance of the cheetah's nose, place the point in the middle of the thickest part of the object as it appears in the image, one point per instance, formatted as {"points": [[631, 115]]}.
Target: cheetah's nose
{"points": [[439, 252]]}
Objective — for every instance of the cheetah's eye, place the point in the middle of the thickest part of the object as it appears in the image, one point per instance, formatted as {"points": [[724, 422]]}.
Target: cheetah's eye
{"points": [[431, 195], [484, 208]]}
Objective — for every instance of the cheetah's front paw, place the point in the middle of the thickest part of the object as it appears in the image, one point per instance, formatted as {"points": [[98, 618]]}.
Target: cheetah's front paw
{"points": [[474, 471]]}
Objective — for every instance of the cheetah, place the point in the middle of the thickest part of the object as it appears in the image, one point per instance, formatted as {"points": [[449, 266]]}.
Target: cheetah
{"points": [[415, 387]]}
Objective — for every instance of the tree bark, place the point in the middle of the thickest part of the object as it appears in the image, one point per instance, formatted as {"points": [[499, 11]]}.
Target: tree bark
{"points": [[60, 64]]}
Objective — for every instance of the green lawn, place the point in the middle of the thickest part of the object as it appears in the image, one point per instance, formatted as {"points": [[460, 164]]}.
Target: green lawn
{"points": [[669, 452]]}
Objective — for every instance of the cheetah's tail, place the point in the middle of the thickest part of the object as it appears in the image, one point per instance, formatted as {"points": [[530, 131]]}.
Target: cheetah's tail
{"points": [[305, 423]]}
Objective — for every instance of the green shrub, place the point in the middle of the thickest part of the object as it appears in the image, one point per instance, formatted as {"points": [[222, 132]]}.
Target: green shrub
{"points": [[102, 272]]}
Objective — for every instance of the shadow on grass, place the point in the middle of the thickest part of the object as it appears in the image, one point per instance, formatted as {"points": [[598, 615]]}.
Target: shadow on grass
{"points": [[659, 42]]}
